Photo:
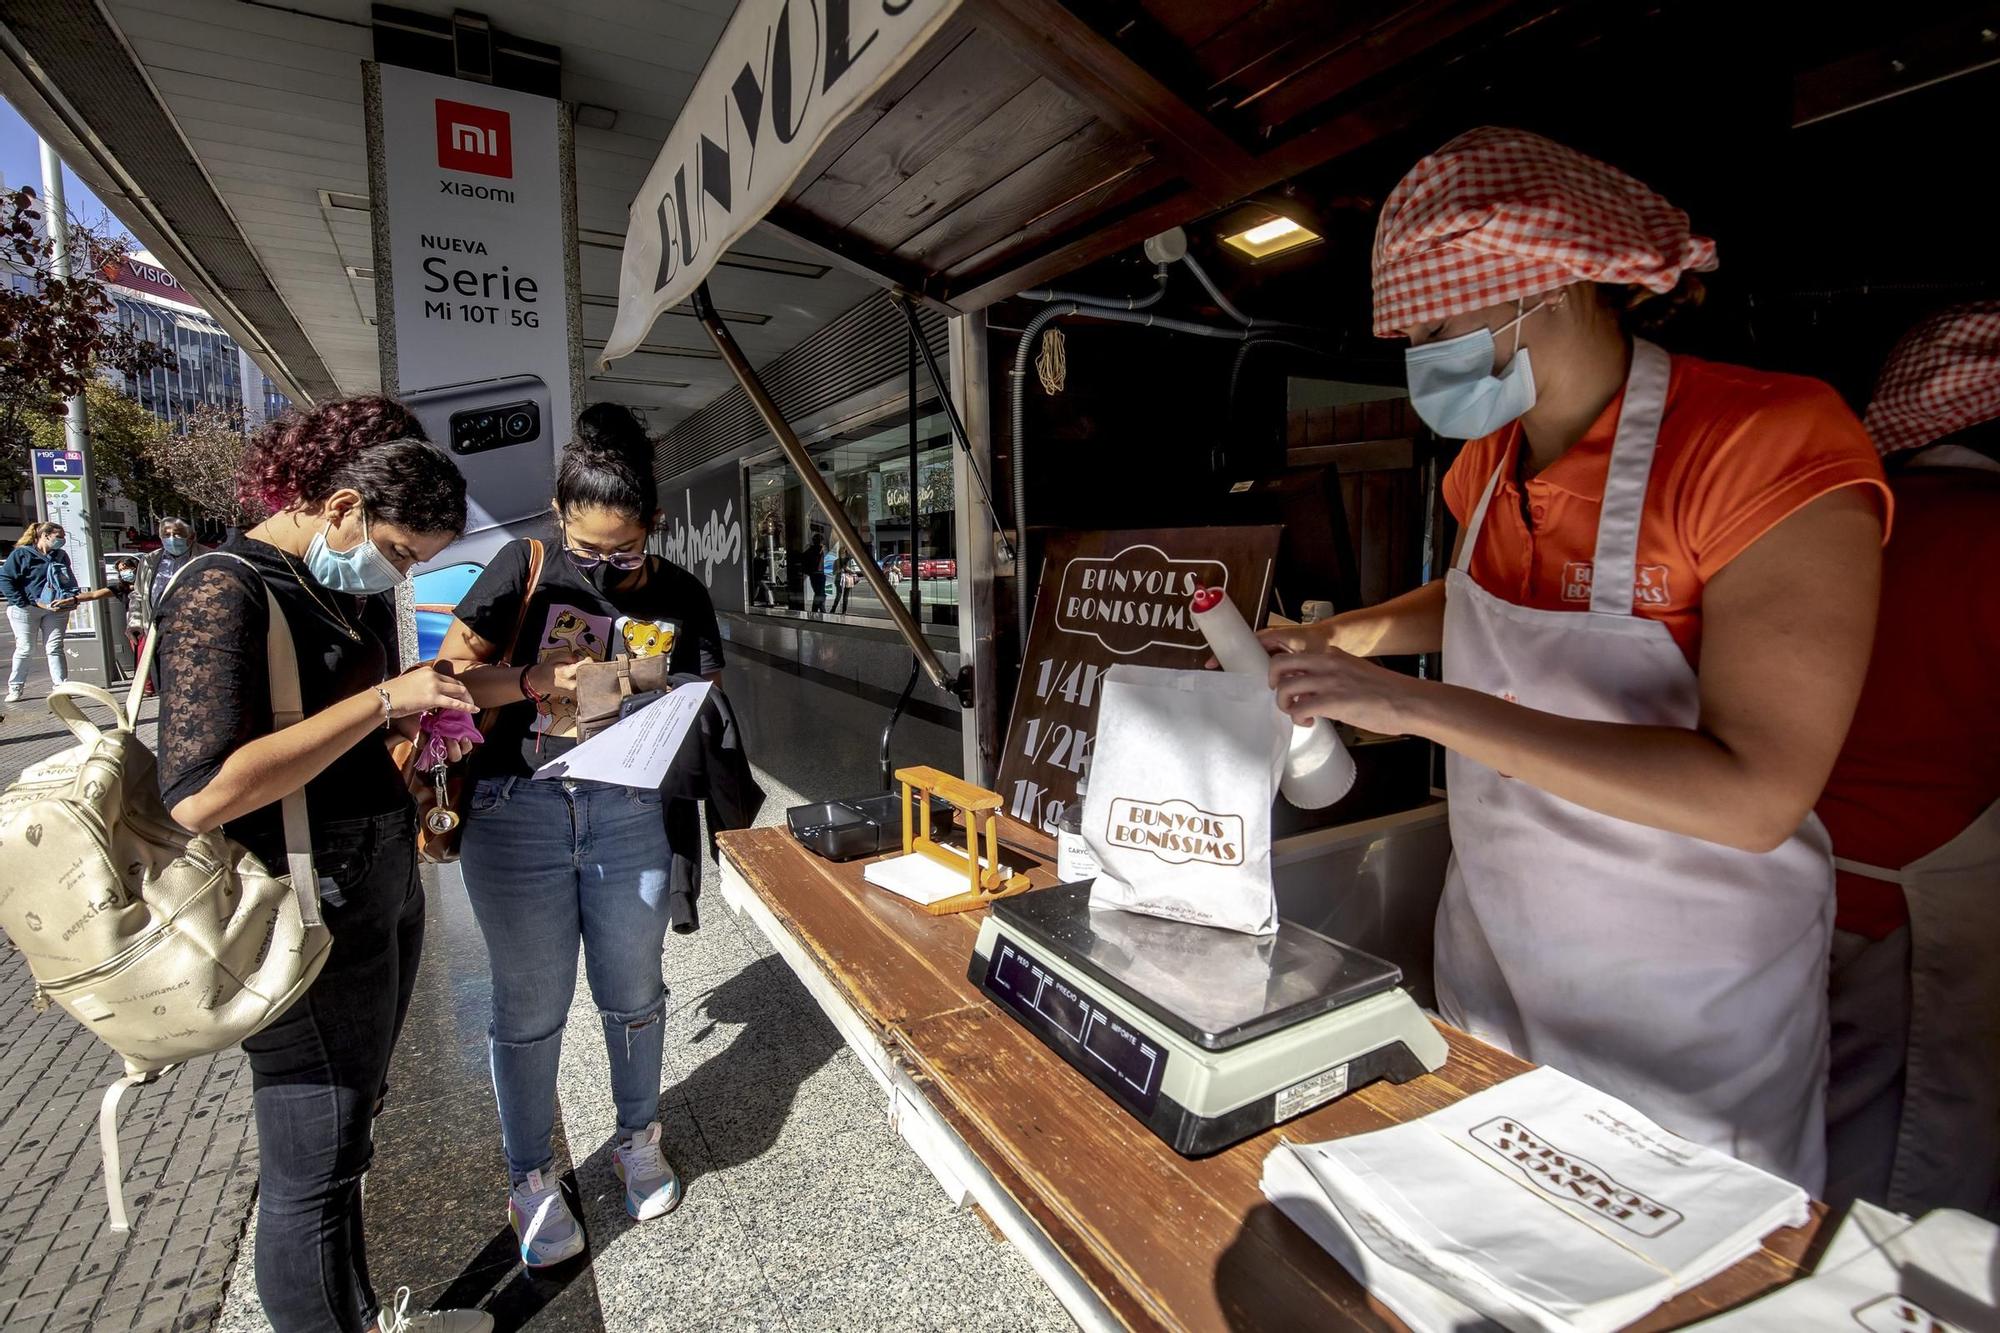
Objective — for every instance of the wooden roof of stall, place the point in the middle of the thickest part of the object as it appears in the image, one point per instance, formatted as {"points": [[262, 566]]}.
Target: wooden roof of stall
{"points": [[1030, 137]]}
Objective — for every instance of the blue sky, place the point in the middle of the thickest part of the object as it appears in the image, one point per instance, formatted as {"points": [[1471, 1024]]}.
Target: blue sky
{"points": [[21, 164]]}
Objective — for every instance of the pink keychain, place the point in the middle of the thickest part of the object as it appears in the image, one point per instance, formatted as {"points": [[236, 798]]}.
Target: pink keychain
{"points": [[438, 727]]}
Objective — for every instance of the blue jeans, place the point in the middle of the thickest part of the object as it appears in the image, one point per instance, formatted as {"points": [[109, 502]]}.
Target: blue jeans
{"points": [[32, 626], [548, 864], [319, 1070]]}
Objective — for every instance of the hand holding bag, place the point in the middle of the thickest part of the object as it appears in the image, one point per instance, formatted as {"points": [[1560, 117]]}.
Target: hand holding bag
{"points": [[441, 791], [1183, 771]]}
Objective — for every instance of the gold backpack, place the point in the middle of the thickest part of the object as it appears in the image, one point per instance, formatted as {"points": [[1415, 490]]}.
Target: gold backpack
{"points": [[166, 944]]}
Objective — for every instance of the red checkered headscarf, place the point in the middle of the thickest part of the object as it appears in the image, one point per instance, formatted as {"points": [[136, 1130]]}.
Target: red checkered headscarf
{"points": [[1500, 214], [1943, 377]]}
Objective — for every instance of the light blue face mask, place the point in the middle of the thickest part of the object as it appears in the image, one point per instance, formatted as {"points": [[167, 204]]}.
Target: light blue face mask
{"points": [[361, 571], [175, 545], [1453, 387]]}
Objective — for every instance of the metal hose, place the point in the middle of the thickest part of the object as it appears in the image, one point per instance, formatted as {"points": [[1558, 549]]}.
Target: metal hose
{"points": [[1228, 307], [1109, 302]]}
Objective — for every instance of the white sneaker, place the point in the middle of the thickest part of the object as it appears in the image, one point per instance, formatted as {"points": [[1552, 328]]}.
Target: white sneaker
{"points": [[543, 1222], [13, 696], [398, 1319], [651, 1187]]}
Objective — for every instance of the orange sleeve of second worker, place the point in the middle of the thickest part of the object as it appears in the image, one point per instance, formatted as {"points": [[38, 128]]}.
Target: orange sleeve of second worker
{"points": [[1766, 452]]}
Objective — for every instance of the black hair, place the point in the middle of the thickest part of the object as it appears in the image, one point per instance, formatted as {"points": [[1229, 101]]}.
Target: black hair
{"points": [[1645, 312], [404, 482], [609, 465]]}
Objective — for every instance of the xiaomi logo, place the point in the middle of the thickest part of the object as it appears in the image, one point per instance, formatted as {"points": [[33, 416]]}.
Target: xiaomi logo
{"points": [[474, 139]]}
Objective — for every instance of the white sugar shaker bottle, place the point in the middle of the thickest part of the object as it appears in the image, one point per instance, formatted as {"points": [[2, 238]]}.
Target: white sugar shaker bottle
{"points": [[1318, 768]]}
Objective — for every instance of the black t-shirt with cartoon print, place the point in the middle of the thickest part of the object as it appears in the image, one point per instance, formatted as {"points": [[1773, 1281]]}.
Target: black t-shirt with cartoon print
{"points": [[667, 609]]}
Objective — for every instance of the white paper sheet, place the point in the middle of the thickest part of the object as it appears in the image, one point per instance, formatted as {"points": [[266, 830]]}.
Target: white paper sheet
{"points": [[637, 751], [1539, 1204], [917, 877], [1865, 1228], [1939, 1275]]}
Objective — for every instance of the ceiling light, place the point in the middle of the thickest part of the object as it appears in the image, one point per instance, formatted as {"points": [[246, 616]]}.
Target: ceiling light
{"points": [[362, 274], [357, 203], [1272, 236], [595, 117]]}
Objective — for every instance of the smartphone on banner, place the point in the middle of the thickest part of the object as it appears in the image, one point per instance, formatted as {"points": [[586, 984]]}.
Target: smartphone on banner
{"points": [[502, 436]]}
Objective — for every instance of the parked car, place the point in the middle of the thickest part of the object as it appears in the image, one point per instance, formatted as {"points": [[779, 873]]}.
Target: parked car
{"points": [[897, 567]]}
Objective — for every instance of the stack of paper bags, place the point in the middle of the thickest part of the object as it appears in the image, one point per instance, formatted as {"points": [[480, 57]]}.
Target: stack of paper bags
{"points": [[1539, 1204], [1885, 1273]]}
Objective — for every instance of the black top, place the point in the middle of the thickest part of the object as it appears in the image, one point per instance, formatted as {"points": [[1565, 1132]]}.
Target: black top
{"points": [[571, 613], [215, 684]]}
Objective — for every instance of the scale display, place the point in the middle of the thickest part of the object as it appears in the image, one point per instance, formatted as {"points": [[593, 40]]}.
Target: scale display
{"points": [[1115, 1057]]}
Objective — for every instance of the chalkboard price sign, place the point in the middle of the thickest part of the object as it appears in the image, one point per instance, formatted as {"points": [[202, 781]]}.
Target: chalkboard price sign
{"points": [[1106, 598]]}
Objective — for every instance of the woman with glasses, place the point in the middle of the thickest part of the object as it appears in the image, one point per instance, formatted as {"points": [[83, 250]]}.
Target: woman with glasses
{"points": [[553, 863]]}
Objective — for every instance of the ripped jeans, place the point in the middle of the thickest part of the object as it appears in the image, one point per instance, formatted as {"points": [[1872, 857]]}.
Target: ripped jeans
{"points": [[547, 865]]}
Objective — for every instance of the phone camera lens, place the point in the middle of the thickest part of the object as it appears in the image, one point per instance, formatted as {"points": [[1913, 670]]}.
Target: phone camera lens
{"points": [[520, 425]]}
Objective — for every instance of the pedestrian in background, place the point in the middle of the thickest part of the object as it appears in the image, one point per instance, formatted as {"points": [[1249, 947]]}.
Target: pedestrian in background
{"points": [[815, 559], [40, 590], [156, 571]]}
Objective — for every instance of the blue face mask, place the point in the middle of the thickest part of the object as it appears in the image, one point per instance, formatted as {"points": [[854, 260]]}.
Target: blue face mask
{"points": [[175, 545], [56, 545], [1453, 387], [361, 571]]}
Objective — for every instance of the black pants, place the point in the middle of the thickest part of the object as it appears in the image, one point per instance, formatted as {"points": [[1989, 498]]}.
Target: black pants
{"points": [[320, 1069]]}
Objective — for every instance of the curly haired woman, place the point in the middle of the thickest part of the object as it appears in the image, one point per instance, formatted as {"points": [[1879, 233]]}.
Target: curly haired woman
{"points": [[354, 497]]}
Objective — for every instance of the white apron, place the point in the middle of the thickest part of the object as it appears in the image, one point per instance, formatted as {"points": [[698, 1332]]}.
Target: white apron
{"points": [[1684, 976], [1948, 1143]]}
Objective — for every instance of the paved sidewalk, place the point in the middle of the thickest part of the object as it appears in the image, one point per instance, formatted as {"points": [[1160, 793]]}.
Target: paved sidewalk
{"points": [[189, 1146], [805, 1211]]}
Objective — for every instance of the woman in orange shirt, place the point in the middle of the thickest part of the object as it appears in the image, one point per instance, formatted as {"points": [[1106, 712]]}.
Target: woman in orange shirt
{"points": [[1654, 631]]}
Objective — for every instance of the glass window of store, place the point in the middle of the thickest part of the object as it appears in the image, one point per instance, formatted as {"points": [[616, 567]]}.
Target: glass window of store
{"points": [[795, 560]]}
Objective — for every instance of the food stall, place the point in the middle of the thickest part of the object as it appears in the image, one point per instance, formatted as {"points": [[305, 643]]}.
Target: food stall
{"points": [[1031, 166]]}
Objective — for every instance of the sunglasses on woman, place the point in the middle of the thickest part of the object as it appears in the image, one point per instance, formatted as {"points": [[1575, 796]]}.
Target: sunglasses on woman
{"points": [[586, 560]]}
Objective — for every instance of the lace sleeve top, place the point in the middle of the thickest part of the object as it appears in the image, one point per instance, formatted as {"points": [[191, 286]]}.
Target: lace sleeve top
{"points": [[215, 693]]}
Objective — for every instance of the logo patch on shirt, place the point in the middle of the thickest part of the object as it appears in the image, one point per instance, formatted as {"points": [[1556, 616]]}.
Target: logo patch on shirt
{"points": [[1650, 585]]}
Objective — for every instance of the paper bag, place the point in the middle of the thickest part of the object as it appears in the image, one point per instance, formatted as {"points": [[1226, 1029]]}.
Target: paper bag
{"points": [[1183, 771]]}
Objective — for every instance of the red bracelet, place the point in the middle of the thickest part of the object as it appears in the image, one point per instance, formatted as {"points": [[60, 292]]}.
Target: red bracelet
{"points": [[528, 691]]}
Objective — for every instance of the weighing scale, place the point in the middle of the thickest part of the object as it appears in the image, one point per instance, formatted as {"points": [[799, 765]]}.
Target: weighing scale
{"points": [[1206, 1036]]}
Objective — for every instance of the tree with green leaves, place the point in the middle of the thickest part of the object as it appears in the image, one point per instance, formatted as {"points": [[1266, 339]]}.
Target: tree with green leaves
{"points": [[56, 333], [122, 436]]}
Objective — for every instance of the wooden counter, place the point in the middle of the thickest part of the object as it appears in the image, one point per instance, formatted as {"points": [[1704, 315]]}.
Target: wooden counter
{"points": [[1126, 1231]]}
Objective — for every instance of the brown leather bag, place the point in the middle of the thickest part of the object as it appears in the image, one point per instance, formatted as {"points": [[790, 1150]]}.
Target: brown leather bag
{"points": [[441, 794]]}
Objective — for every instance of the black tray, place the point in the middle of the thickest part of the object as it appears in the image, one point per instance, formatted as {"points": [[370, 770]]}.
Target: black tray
{"points": [[858, 826]]}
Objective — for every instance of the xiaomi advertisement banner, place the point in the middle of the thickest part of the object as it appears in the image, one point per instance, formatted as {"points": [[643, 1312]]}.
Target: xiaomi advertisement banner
{"points": [[784, 74], [473, 184]]}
